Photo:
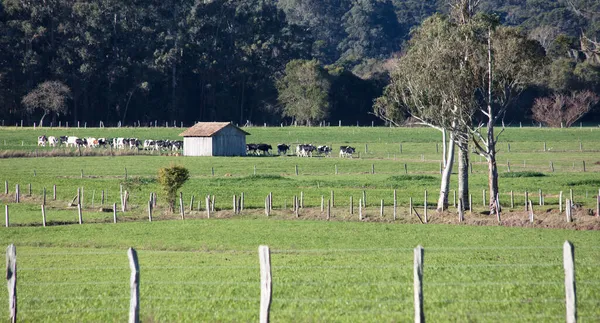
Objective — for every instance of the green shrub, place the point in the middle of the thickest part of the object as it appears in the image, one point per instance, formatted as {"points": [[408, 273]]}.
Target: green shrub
{"points": [[171, 179]]}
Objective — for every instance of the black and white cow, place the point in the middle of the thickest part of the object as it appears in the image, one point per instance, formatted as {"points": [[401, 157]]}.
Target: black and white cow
{"points": [[63, 140], [52, 141], [177, 145], [282, 149], [264, 148], [324, 150], [251, 148], [81, 142], [305, 150], [346, 151], [102, 142], [42, 140]]}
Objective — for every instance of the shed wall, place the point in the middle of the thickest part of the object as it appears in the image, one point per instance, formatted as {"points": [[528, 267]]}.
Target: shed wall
{"points": [[197, 146], [229, 142]]}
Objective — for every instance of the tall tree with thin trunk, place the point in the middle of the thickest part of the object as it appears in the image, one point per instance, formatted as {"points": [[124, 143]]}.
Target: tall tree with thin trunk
{"points": [[512, 62]]}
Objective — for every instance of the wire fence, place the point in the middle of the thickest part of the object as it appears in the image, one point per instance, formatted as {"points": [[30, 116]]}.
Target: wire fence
{"points": [[477, 283]]}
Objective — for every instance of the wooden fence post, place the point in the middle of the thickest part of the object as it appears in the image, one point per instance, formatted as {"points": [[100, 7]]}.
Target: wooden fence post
{"points": [[410, 206], [242, 202], [425, 207], [29, 189], [234, 204], [568, 209], [114, 212], [6, 187], [43, 215], [526, 201], [212, 203], [359, 209], [79, 213], [571, 194], [322, 203], [418, 284], [150, 211], [301, 204], [134, 303], [332, 199], [512, 200], [17, 194], [181, 206], [54, 192], [11, 281], [395, 204], [381, 209], [530, 211], [570, 291], [192, 203], [6, 222], [264, 257], [560, 202], [540, 197], [208, 206], [328, 209], [351, 205]]}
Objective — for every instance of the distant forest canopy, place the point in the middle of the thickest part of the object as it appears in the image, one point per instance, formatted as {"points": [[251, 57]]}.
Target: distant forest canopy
{"points": [[203, 60]]}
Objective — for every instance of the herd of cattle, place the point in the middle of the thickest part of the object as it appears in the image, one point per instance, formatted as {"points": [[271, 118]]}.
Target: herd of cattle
{"points": [[116, 143], [302, 150]]}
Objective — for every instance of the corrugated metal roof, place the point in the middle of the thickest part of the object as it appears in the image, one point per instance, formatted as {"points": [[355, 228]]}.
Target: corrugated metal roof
{"points": [[207, 129]]}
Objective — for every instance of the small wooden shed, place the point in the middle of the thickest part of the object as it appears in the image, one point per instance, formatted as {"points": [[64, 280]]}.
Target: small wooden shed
{"points": [[214, 139]]}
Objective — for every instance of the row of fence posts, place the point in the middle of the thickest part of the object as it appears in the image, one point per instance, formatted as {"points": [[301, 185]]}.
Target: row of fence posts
{"points": [[266, 283], [298, 203], [137, 124]]}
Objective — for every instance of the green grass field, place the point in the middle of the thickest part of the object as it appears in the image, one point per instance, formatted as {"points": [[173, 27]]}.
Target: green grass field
{"points": [[343, 270]]}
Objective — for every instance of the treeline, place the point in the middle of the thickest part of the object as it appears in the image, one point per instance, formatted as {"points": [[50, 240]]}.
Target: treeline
{"points": [[129, 60]]}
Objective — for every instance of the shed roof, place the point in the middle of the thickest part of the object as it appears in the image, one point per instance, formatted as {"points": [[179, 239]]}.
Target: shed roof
{"points": [[208, 129]]}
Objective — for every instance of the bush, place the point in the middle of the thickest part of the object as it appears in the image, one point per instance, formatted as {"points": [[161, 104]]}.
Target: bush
{"points": [[171, 179]]}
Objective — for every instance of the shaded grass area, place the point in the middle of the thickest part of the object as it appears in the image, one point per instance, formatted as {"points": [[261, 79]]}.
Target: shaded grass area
{"points": [[207, 270]]}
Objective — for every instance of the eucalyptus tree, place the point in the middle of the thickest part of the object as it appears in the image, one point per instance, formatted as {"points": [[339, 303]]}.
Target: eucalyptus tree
{"points": [[433, 83], [513, 61]]}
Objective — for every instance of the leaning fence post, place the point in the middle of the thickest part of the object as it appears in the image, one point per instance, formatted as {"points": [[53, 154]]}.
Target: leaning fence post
{"points": [[11, 280], [6, 187], [418, 285], [360, 204], [79, 213], [150, 211], [264, 257], [134, 303], [6, 223], [570, 290], [181, 206], [43, 215]]}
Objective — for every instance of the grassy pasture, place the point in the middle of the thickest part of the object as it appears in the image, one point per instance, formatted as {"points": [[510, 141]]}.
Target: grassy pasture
{"points": [[322, 271], [337, 271]]}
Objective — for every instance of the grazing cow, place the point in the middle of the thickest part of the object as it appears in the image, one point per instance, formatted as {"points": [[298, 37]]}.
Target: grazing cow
{"points": [[42, 140], [81, 142], [305, 150], [52, 141], [325, 150], [119, 143], [346, 151], [148, 144], [282, 149], [102, 142], [251, 148], [63, 140], [264, 148], [133, 143], [91, 142], [177, 145], [72, 141], [161, 144]]}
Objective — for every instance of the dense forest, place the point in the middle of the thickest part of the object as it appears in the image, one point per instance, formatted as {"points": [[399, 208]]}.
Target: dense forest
{"points": [[250, 60]]}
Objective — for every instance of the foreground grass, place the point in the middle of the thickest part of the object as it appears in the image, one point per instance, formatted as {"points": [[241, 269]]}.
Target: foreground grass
{"points": [[207, 270]]}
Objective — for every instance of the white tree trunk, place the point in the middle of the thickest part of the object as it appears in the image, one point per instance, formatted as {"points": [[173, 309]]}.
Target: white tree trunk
{"points": [[445, 184]]}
